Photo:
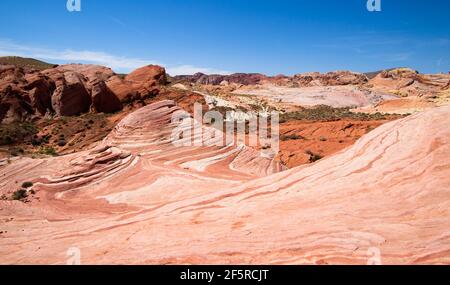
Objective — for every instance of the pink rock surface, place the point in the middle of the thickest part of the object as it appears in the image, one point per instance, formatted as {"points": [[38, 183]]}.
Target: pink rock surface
{"points": [[136, 198]]}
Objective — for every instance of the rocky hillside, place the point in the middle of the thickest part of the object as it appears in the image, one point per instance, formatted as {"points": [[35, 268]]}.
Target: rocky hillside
{"points": [[304, 79], [216, 79], [72, 89], [27, 63]]}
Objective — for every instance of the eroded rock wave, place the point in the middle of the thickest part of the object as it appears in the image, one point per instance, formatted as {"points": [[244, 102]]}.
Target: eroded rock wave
{"points": [[386, 197]]}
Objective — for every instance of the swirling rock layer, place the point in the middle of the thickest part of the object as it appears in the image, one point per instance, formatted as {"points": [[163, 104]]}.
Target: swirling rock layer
{"points": [[136, 198]]}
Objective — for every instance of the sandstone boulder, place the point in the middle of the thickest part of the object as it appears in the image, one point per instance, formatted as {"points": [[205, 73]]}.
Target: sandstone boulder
{"points": [[91, 72], [13, 105], [71, 97], [122, 89], [399, 73], [103, 99], [141, 83], [148, 74], [73, 89], [88, 79], [40, 89], [10, 74]]}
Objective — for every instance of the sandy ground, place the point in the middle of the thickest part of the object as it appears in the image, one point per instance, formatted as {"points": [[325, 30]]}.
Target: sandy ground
{"points": [[335, 96]]}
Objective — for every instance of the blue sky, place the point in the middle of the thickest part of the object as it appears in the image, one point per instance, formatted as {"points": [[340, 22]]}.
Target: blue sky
{"points": [[223, 36]]}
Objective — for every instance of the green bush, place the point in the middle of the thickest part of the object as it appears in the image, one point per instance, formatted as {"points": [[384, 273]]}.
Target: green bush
{"points": [[16, 132], [328, 113], [48, 150], [36, 141]]}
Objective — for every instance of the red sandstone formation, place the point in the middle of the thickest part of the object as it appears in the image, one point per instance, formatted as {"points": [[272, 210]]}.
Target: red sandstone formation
{"points": [[103, 99], [216, 79], [71, 89], [40, 89], [141, 83], [337, 89], [91, 90], [76, 88], [148, 74], [329, 79], [407, 82], [13, 105], [299, 80], [136, 198], [70, 96]]}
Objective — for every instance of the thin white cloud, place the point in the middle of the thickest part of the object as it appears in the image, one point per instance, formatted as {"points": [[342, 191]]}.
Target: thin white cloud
{"points": [[398, 56], [117, 63], [392, 57], [189, 69]]}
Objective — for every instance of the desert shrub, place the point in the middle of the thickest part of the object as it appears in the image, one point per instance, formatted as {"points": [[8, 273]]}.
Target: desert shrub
{"points": [[16, 132], [6, 140], [46, 138], [266, 146], [291, 137], [369, 129], [16, 151], [47, 150], [328, 113], [19, 194], [323, 139], [64, 120], [27, 184], [36, 141], [313, 157]]}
